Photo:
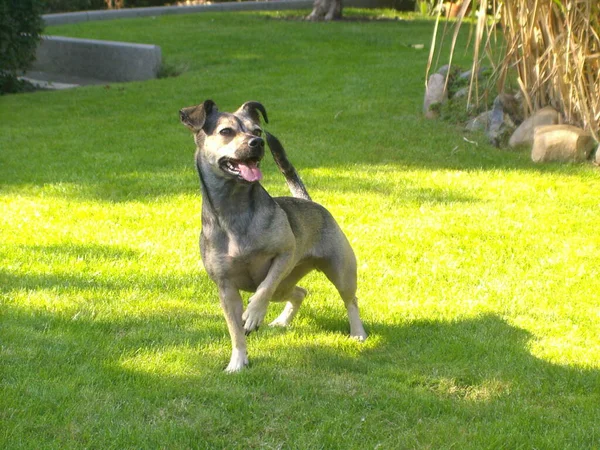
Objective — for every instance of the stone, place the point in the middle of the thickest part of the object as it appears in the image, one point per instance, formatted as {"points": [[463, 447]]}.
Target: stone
{"points": [[465, 75], [326, 10], [435, 93], [512, 107], [101, 60], [523, 135], [461, 93], [443, 71], [501, 122], [563, 143], [479, 123]]}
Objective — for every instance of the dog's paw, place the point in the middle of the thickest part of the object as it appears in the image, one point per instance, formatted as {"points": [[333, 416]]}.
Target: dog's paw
{"points": [[286, 316], [279, 322], [291, 308], [253, 317], [359, 337], [239, 360]]}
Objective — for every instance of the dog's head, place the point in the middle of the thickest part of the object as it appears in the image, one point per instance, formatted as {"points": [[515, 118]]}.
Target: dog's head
{"points": [[230, 142]]}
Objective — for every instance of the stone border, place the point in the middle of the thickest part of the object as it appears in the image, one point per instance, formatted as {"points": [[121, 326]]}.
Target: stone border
{"points": [[276, 5], [97, 60]]}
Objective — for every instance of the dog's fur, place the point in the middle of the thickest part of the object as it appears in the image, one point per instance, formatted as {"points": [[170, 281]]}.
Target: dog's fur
{"points": [[253, 242]]}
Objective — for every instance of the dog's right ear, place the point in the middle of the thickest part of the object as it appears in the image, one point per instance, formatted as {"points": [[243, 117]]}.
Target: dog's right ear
{"points": [[194, 117]]}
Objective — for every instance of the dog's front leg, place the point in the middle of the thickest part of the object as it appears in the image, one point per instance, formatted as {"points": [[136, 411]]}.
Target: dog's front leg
{"points": [[259, 302], [233, 307]]}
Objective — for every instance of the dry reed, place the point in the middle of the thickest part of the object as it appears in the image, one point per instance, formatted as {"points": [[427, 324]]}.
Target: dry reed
{"points": [[552, 46]]}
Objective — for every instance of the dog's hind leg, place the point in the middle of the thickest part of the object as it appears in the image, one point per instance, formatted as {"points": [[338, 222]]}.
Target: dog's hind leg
{"points": [[294, 300], [341, 272], [357, 330]]}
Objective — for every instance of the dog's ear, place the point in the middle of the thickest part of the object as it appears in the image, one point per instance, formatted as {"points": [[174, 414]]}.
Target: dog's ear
{"points": [[194, 117], [252, 109]]}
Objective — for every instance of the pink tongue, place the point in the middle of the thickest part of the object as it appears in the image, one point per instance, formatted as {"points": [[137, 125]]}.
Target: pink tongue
{"points": [[250, 172]]}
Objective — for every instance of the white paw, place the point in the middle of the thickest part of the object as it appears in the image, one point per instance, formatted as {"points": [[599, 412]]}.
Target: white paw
{"points": [[239, 360], [360, 337], [286, 316], [279, 322]]}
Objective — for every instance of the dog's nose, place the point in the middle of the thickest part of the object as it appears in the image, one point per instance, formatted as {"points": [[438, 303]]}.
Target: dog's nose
{"points": [[256, 143]]}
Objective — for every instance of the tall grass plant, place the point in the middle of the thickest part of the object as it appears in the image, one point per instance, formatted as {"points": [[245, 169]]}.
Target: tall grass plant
{"points": [[552, 48]]}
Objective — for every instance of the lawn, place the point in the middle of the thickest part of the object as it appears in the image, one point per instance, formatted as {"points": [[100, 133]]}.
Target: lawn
{"points": [[478, 270]]}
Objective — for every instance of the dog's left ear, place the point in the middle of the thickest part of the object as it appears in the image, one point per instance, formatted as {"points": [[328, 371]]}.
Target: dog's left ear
{"points": [[194, 117], [252, 108]]}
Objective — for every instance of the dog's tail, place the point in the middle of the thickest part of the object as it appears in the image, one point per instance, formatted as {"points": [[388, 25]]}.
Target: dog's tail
{"points": [[292, 178]]}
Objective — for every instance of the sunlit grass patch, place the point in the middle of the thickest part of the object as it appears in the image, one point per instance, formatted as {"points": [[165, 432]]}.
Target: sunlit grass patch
{"points": [[477, 280]]}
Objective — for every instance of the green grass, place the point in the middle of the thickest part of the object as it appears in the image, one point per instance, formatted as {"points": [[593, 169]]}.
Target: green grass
{"points": [[478, 269]]}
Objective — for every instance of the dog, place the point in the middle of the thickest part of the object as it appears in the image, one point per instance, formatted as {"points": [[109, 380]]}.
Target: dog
{"points": [[253, 242]]}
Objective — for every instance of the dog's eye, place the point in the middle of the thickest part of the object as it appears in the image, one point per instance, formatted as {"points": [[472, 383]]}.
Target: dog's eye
{"points": [[226, 132], [257, 132]]}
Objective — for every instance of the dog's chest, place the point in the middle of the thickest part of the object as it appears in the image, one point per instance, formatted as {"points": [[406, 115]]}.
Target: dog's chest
{"points": [[243, 261]]}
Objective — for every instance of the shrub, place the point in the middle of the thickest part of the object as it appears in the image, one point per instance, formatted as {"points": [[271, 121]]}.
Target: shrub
{"points": [[20, 28], [405, 5]]}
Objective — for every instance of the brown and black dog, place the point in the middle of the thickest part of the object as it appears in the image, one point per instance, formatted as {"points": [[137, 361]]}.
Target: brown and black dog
{"points": [[253, 242]]}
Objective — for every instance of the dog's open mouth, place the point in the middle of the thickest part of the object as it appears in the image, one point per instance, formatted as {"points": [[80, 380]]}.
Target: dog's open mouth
{"points": [[246, 170]]}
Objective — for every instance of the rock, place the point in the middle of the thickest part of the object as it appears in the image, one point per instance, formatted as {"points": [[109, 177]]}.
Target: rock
{"points": [[462, 92], [512, 107], [465, 75], [326, 10], [501, 123], [564, 143], [443, 71], [479, 123], [523, 135], [435, 92]]}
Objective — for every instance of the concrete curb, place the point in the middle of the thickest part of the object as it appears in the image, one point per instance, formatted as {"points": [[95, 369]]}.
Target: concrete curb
{"points": [[48, 85], [276, 5], [101, 60]]}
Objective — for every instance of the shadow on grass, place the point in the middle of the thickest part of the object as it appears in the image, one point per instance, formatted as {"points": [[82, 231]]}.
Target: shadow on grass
{"points": [[469, 352], [88, 252], [93, 268], [387, 184], [150, 379], [476, 376], [115, 175]]}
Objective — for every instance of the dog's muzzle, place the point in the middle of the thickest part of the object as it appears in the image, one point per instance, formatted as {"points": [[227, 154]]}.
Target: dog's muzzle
{"points": [[246, 167]]}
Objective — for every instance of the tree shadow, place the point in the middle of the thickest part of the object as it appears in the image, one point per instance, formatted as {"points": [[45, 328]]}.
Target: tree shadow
{"points": [[472, 383], [478, 373], [83, 262], [148, 172]]}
